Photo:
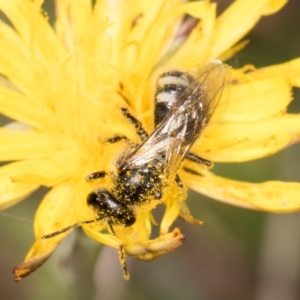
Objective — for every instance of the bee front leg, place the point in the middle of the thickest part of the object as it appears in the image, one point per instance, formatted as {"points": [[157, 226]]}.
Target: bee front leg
{"points": [[117, 138], [96, 175], [137, 124]]}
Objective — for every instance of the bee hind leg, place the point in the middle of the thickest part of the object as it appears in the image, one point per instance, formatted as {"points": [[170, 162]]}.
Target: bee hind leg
{"points": [[178, 181], [197, 159]]}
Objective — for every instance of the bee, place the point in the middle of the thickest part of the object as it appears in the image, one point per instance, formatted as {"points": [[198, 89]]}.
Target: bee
{"points": [[184, 105]]}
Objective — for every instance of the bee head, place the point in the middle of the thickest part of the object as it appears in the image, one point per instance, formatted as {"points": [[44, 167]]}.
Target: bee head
{"points": [[108, 208]]}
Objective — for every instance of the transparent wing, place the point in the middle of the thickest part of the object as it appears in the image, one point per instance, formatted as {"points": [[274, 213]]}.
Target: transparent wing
{"points": [[216, 82], [183, 124]]}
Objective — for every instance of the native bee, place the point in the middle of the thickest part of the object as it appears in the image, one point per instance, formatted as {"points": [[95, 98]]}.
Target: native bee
{"points": [[184, 104]]}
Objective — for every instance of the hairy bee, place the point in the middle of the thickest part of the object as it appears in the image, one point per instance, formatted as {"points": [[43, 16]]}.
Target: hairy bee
{"points": [[184, 105]]}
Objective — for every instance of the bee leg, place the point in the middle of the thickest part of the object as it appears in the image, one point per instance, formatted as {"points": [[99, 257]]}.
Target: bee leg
{"points": [[111, 229], [122, 258], [122, 254], [137, 124], [178, 181], [95, 176], [117, 138], [197, 159]]}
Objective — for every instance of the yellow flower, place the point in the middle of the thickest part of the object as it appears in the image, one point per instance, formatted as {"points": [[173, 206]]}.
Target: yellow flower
{"points": [[65, 86]]}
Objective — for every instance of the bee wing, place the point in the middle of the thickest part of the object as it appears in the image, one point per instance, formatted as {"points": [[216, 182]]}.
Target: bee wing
{"points": [[215, 77], [184, 122]]}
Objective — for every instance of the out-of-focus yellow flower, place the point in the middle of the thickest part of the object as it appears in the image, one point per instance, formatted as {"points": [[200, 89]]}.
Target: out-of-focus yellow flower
{"points": [[65, 87]]}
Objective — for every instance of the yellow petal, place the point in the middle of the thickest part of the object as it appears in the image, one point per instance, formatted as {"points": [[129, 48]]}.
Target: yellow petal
{"points": [[34, 29], [102, 238], [54, 213], [288, 69], [11, 192], [237, 20], [60, 201], [238, 142], [24, 144], [257, 100], [274, 196], [15, 60], [19, 179], [173, 198], [37, 256], [20, 108], [152, 42], [73, 20], [234, 50], [152, 249], [200, 37], [186, 215], [48, 171], [140, 231], [170, 215]]}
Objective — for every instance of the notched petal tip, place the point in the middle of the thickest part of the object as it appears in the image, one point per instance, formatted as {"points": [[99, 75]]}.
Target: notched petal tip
{"points": [[27, 267], [153, 249]]}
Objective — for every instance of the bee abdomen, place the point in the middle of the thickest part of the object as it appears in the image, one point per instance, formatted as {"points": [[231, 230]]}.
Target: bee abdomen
{"points": [[170, 85]]}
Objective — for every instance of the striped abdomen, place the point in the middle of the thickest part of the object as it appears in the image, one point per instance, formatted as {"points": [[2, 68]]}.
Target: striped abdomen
{"points": [[170, 85]]}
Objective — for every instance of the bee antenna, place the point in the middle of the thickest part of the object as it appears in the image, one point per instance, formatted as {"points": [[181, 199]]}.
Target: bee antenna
{"points": [[122, 254], [78, 224]]}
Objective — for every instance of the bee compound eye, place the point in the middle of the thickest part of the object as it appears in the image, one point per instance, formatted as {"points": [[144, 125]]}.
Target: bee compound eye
{"points": [[92, 200], [106, 206]]}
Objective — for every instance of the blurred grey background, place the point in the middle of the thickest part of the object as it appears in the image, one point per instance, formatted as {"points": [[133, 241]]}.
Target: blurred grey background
{"points": [[238, 254]]}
